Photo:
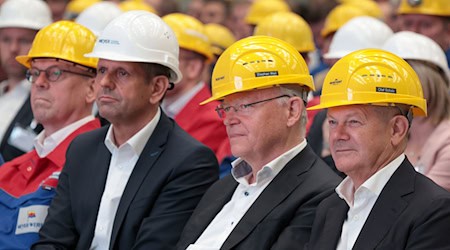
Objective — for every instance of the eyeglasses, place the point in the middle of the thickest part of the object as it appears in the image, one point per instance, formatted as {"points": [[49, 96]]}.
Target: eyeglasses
{"points": [[52, 74], [223, 110]]}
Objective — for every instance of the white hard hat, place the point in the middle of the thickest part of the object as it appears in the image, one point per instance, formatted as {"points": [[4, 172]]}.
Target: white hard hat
{"points": [[98, 15], [30, 14], [410, 45], [359, 33], [139, 36]]}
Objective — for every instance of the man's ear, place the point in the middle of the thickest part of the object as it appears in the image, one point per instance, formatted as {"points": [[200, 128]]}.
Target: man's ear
{"points": [[91, 90], [296, 106], [158, 85], [399, 129]]}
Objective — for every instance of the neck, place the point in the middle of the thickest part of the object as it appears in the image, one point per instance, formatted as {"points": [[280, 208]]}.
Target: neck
{"points": [[124, 130]]}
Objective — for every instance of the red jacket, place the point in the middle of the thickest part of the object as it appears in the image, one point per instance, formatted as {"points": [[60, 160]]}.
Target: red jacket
{"points": [[203, 123], [24, 174]]}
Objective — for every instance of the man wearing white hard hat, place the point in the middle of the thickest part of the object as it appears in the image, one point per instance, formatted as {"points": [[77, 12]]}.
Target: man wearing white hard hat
{"points": [[135, 183], [20, 20]]}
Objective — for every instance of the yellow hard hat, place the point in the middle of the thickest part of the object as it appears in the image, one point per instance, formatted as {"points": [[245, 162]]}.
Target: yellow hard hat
{"points": [[190, 33], [258, 62], [65, 40], [288, 27], [425, 7], [136, 5], [262, 8], [372, 76], [220, 37], [75, 7], [338, 16], [370, 7]]}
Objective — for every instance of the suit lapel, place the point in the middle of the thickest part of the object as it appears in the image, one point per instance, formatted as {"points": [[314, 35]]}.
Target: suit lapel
{"points": [[387, 208], [332, 229], [204, 214], [147, 159], [284, 183]]}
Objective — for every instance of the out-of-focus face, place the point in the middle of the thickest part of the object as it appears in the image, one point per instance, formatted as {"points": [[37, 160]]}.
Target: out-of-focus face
{"points": [[14, 42], [124, 91], [360, 140], [58, 103], [58, 8], [237, 22], [195, 8], [434, 27], [253, 132], [213, 12]]}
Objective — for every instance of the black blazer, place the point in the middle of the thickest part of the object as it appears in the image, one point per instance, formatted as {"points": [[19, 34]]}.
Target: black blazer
{"points": [[281, 217], [172, 173], [412, 212], [23, 118]]}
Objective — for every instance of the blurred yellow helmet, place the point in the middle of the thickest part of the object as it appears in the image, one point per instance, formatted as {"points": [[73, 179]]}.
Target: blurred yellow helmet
{"points": [[370, 7], [65, 40], [258, 62], [262, 8], [372, 76], [190, 33], [136, 5], [220, 37], [338, 16], [425, 7], [75, 7], [288, 27]]}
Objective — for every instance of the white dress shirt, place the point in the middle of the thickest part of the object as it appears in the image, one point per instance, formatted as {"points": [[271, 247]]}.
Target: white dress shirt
{"points": [[362, 201], [243, 198], [11, 102], [45, 146], [123, 160]]}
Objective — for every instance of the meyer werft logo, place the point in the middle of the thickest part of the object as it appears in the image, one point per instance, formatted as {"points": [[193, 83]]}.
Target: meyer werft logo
{"points": [[336, 82], [266, 73], [108, 41]]}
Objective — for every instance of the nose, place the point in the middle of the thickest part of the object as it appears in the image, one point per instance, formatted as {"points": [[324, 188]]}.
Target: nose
{"points": [[338, 132], [231, 117], [104, 81], [41, 80]]}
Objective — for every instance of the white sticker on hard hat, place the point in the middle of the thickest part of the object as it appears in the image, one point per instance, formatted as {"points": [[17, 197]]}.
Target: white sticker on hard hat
{"points": [[108, 41], [238, 82]]}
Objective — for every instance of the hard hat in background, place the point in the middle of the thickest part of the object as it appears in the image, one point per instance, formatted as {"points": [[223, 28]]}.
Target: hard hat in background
{"points": [[258, 62], [75, 7], [65, 40], [139, 36], [190, 33], [425, 7], [97, 16], [338, 16], [262, 8], [220, 37], [359, 33], [136, 5], [370, 7], [29, 14], [288, 27], [372, 76], [410, 45]]}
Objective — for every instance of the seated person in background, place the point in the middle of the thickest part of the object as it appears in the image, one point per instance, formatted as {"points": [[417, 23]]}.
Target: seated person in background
{"points": [[62, 95]]}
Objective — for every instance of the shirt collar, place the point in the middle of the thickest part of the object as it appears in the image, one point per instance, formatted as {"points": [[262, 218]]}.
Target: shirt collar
{"points": [[137, 141], [241, 169], [375, 184], [174, 106], [45, 145]]}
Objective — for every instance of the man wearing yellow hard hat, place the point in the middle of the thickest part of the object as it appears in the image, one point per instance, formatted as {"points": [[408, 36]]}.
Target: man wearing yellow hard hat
{"points": [[383, 203], [269, 200], [429, 18]]}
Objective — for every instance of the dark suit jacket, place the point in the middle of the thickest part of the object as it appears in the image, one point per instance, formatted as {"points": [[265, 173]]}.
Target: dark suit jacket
{"points": [[281, 217], [412, 212], [23, 119], [172, 173]]}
